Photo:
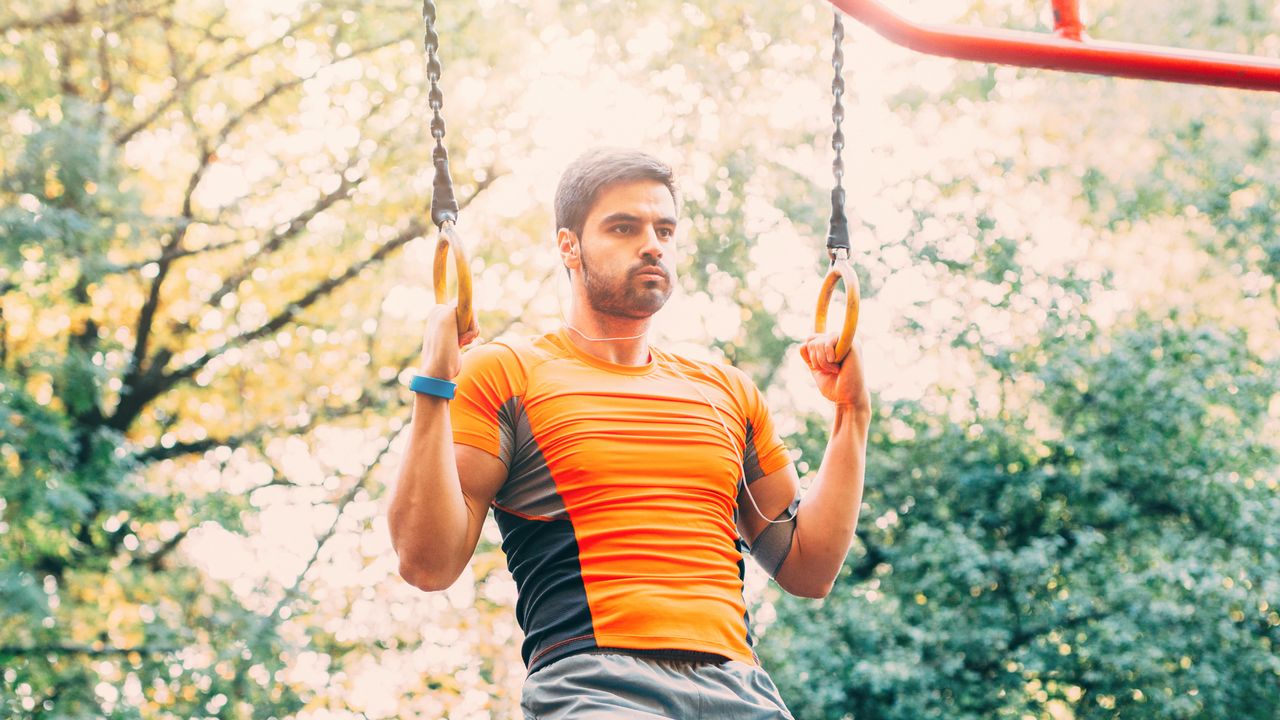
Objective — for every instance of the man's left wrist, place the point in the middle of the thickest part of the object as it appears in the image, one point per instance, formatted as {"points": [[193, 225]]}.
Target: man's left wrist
{"points": [[858, 411]]}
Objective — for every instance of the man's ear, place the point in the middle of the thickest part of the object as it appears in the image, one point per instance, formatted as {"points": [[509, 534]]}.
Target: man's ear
{"points": [[570, 247]]}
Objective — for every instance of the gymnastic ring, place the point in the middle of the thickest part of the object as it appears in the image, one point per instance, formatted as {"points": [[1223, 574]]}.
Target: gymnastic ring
{"points": [[840, 270], [449, 240]]}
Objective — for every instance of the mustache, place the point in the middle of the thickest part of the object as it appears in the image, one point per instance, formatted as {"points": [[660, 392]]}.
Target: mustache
{"points": [[649, 268]]}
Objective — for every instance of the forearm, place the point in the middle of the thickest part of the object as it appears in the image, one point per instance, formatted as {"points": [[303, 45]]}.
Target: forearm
{"points": [[828, 513], [428, 517]]}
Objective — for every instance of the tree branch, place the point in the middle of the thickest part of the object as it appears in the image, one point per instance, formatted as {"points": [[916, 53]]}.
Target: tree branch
{"points": [[320, 291], [206, 156], [285, 232], [104, 72], [141, 14], [155, 382], [179, 254], [146, 316], [70, 16], [321, 541], [145, 387], [131, 395], [204, 72], [155, 560], [18, 651]]}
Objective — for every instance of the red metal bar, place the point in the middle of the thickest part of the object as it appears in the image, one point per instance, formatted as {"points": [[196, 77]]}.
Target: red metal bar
{"points": [[1040, 50], [1066, 20]]}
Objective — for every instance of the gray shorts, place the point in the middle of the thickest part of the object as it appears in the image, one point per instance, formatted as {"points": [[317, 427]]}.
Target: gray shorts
{"points": [[601, 685]]}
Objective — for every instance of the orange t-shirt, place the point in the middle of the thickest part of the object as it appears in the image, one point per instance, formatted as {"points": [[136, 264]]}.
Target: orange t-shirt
{"points": [[619, 511]]}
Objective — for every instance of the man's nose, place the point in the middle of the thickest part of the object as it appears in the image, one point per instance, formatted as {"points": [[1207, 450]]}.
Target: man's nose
{"points": [[652, 247]]}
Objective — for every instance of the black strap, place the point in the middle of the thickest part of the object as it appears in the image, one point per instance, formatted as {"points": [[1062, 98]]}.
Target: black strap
{"points": [[838, 230], [444, 206]]}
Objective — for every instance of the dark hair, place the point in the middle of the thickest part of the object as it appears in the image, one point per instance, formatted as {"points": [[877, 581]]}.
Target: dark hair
{"points": [[597, 168]]}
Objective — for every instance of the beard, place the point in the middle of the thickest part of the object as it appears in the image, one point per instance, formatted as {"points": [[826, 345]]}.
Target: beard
{"points": [[625, 296]]}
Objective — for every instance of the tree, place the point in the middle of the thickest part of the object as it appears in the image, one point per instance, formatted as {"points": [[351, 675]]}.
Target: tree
{"points": [[184, 222], [1110, 551], [1082, 523]]}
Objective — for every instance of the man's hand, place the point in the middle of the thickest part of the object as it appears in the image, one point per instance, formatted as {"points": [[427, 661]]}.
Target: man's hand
{"points": [[840, 382], [441, 343]]}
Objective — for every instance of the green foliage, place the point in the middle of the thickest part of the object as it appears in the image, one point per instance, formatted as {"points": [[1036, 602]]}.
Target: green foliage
{"points": [[1088, 528], [77, 590], [1108, 546]]}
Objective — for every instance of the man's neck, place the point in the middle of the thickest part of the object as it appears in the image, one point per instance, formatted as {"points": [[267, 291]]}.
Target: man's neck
{"points": [[617, 340]]}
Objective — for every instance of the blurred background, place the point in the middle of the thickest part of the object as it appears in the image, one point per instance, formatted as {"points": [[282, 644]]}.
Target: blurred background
{"points": [[215, 264]]}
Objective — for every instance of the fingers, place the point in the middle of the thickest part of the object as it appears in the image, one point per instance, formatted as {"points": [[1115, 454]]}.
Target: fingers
{"points": [[819, 353], [470, 333]]}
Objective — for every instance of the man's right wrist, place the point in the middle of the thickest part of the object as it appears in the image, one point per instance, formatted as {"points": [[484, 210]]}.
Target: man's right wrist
{"points": [[429, 386]]}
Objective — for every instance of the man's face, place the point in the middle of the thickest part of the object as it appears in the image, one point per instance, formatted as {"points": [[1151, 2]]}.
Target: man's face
{"points": [[627, 249]]}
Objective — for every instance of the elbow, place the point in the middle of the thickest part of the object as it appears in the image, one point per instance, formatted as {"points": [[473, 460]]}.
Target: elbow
{"points": [[801, 579], [415, 566], [816, 591], [426, 579], [815, 588]]}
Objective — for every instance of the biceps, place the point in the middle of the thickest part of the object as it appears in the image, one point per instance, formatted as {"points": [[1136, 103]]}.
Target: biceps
{"points": [[767, 517], [481, 476]]}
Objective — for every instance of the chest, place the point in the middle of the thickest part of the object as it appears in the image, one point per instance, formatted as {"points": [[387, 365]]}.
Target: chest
{"points": [[600, 432]]}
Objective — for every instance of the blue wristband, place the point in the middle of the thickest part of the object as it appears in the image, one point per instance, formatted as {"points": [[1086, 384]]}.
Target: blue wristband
{"points": [[432, 386]]}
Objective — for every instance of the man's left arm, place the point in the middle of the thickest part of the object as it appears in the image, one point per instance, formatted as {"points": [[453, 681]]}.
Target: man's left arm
{"points": [[805, 553]]}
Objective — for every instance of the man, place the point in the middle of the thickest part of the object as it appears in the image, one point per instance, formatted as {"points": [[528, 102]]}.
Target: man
{"points": [[626, 481]]}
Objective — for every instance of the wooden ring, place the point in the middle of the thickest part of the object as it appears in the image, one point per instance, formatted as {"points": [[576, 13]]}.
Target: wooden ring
{"points": [[449, 240], [840, 270]]}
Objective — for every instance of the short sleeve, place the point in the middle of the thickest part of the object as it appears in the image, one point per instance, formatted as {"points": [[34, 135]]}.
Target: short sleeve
{"points": [[765, 452], [491, 377]]}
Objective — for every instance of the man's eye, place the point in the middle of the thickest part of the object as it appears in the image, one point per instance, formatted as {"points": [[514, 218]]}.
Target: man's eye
{"points": [[665, 232], [622, 229]]}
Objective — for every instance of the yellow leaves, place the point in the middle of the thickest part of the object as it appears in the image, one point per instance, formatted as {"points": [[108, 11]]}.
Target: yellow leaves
{"points": [[10, 460], [53, 187], [50, 108], [40, 387]]}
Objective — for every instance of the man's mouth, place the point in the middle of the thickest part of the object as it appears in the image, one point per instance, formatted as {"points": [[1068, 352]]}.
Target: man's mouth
{"points": [[652, 274]]}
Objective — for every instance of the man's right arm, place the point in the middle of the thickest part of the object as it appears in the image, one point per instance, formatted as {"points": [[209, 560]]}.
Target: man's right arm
{"points": [[443, 493], [441, 499]]}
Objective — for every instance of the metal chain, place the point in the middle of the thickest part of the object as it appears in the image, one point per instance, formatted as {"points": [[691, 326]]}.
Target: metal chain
{"points": [[838, 232], [444, 207], [837, 90], [431, 41]]}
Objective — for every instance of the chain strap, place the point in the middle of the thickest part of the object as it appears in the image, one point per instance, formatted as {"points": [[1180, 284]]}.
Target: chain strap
{"points": [[444, 207], [837, 91], [838, 233]]}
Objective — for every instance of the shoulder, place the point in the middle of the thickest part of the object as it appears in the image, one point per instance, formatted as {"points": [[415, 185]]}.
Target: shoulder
{"points": [[515, 357], [714, 371]]}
